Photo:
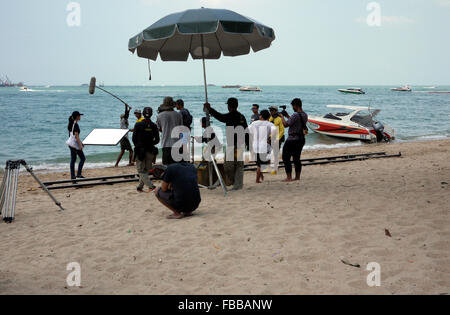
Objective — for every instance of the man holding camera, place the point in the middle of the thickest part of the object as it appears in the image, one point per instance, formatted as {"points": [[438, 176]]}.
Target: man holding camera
{"points": [[296, 140]]}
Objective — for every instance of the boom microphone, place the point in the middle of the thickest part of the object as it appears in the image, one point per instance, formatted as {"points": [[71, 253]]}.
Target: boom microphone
{"points": [[93, 86]]}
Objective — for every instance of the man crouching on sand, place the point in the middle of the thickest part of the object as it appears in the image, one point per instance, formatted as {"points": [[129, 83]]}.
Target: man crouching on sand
{"points": [[179, 191]]}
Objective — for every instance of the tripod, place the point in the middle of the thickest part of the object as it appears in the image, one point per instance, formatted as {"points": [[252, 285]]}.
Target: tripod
{"points": [[8, 190], [211, 165]]}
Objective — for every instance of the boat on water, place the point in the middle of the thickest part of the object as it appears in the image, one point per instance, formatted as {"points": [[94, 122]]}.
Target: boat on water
{"points": [[25, 89], [358, 124], [405, 88], [352, 91], [231, 87], [250, 89]]}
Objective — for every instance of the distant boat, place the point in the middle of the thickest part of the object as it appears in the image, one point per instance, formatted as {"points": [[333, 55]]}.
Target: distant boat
{"points": [[231, 87], [406, 88], [25, 89], [352, 91], [84, 85], [250, 89], [429, 87]]}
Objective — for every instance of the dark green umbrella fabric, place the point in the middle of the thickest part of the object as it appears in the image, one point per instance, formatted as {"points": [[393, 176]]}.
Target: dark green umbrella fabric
{"points": [[179, 35]]}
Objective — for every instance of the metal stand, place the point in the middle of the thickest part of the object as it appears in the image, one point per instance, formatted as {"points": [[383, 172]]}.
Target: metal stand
{"points": [[8, 190]]}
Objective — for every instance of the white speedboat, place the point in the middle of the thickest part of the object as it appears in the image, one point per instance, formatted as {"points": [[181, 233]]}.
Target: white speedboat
{"points": [[406, 88], [250, 89], [352, 91], [25, 89], [358, 124]]}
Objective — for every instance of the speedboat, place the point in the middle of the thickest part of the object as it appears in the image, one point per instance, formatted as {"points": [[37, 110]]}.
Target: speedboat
{"points": [[406, 88], [352, 91], [358, 124], [24, 89], [250, 89]]}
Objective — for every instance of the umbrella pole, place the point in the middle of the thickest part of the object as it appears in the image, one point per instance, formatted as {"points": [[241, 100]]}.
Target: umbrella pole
{"points": [[208, 117], [211, 166]]}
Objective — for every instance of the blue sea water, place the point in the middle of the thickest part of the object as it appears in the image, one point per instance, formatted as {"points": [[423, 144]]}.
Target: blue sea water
{"points": [[34, 123]]}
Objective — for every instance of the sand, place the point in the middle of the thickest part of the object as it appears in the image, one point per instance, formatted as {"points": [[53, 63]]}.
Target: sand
{"points": [[273, 238]]}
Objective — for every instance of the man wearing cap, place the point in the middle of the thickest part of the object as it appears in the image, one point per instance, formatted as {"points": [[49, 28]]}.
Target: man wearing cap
{"points": [[234, 165], [278, 122], [145, 138], [167, 121], [138, 115], [125, 144]]}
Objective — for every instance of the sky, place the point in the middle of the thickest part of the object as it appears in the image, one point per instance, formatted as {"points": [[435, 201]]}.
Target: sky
{"points": [[319, 42]]}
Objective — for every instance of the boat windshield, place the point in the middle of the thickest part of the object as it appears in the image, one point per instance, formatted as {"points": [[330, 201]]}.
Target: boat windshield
{"points": [[363, 118], [336, 116]]}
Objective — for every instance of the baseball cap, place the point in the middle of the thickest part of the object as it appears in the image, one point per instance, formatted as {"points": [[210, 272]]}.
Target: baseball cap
{"points": [[232, 101], [138, 111], [273, 108], [76, 114]]}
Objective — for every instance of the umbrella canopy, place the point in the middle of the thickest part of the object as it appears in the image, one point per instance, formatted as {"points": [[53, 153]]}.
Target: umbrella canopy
{"points": [[203, 34]]}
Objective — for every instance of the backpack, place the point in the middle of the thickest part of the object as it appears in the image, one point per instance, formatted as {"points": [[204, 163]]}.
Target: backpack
{"points": [[187, 118]]}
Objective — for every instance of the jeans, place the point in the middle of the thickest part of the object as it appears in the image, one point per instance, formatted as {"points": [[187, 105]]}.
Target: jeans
{"points": [[293, 149], [73, 159]]}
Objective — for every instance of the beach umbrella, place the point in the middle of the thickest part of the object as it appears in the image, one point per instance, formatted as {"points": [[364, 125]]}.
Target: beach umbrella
{"points": [[202, 34]]}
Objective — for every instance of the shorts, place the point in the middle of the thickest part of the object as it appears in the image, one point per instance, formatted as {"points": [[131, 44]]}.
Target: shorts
{"points": [[125, 145], [168, 198], [167, 157], [262, 159]]}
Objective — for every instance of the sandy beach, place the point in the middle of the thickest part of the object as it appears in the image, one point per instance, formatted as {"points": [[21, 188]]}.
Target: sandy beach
{"points": [[273, 238]]}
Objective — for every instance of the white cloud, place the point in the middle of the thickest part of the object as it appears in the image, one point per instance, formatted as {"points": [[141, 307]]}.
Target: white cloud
{"points": [[444, 3]]}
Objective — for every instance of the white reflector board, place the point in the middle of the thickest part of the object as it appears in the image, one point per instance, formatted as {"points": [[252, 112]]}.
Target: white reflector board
{"points": [[105, 137]]}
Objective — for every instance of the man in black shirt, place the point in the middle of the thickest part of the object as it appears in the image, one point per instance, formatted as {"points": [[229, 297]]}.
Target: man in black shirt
{"points": [[234, 164], [145, 139], [179, 191]]}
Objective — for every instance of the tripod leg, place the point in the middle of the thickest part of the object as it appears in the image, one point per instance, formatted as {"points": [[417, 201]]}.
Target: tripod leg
{"points": [[14, 191], [6, 215], [42, 185], [3, 190], [219, 176]]}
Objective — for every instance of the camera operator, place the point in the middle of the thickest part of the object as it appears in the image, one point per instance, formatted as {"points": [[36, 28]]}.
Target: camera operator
{"points": [[296, 140]]}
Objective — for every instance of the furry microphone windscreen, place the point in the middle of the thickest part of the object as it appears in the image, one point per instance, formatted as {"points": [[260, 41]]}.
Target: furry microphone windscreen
{"points": [[92, 86]]}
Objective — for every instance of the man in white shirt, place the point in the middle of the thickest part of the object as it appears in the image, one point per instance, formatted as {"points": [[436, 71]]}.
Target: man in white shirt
{"points": [[262, 132]]}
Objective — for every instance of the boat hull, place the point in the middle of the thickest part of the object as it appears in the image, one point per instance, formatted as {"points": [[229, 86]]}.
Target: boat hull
{"points": [[352, 92], [340, 131]]}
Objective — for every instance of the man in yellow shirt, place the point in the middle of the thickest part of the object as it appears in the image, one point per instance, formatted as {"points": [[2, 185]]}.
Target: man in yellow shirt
{"points": [[138, 114], [278, 122]]}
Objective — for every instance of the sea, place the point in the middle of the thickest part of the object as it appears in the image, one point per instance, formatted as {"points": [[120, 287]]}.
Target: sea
{"points": [[34, 123]]}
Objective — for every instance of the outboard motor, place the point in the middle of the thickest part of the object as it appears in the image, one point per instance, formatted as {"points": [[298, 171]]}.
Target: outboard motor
{"points": [[379, 129]]}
